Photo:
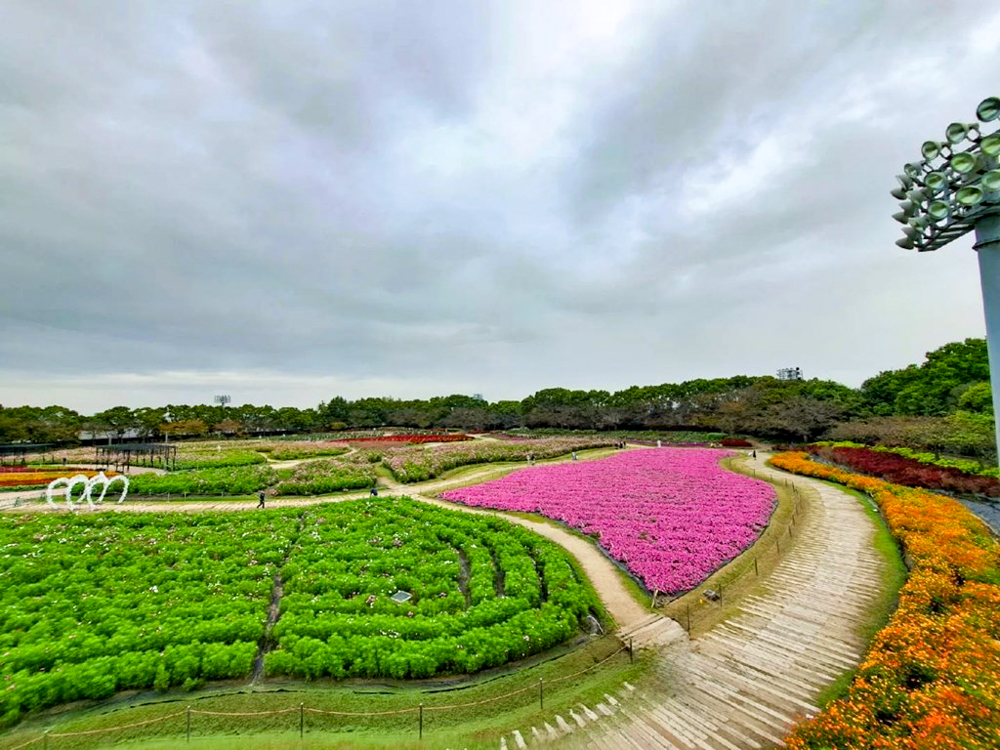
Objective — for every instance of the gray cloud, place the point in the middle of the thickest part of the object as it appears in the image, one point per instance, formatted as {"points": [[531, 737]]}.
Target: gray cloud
{"points": [[410, 199]]}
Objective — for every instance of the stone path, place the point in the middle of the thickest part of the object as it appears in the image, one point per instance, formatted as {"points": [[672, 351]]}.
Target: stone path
{"points": [[744, 683]]}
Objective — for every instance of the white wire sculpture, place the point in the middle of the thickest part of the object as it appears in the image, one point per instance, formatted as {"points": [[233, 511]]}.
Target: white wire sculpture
{"points": [[88, 489]]}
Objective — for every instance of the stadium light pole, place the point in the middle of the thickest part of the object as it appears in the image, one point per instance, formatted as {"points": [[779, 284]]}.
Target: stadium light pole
{"points": [[955, 189]]}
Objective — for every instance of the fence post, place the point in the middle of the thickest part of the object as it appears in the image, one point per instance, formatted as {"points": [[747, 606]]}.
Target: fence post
{"points": [[720, 591], [630, 659], [302, 720], [421, 729], [541, 698], [188, 712], [689, 617]]}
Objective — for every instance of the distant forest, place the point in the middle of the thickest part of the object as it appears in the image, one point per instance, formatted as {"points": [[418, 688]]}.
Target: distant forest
{"points": [[943, 403]]}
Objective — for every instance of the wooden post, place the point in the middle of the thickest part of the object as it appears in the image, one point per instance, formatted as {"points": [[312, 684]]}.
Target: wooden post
{"points": [[630, 657], [189, 723], [541, 697], [302, 720], [421, 729], [689, 617]]}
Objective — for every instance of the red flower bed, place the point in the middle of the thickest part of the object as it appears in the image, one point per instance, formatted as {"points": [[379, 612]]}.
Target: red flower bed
{"points": [[736, 443], [908, 472], [404, 439]]}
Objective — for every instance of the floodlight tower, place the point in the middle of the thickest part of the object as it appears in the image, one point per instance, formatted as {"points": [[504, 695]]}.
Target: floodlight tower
{"points": [[954, 190]]}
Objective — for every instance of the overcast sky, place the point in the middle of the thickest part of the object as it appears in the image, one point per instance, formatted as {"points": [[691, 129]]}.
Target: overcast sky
{"points": [[285, 201]]}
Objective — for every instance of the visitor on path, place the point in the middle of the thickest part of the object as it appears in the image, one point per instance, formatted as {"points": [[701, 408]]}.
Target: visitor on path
{"points": [[574, 455], [531, 459], [260, 496], [373, 492], [659, 443], [754, 453]]}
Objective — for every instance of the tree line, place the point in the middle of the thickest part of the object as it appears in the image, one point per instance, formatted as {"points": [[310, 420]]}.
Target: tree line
{"points": [[953, 379]]}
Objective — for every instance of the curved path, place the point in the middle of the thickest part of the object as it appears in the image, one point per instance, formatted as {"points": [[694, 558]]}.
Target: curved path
{"points": [[745, 682]]}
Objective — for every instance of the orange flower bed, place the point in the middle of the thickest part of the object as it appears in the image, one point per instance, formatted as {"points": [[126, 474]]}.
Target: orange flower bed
{"points": [[932, 676], [42, 478]]}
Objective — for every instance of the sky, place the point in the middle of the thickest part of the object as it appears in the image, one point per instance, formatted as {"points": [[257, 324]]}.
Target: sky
{"points": [[286, 201]]}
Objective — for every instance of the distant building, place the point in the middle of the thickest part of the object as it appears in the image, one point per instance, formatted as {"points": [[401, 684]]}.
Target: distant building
{"points": [[478, 396], [790, 373]]}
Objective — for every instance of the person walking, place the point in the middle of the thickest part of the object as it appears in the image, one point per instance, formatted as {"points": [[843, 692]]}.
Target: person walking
{"points": [[373, 492], [260, 496]]}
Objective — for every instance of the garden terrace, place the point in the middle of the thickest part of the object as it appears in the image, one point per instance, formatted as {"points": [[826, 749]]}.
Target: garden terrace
{"points": [[95, 604]]}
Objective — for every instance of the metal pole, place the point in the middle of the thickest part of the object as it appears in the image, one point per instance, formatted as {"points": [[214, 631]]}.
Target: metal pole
{"points": [[189, 723], [541, 699], [988, 247], [302, 720], [630, 659], [421, 730]]}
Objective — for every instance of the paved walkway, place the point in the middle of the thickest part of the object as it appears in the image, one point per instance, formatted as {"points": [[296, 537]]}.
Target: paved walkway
{"points": [[745, 683]]}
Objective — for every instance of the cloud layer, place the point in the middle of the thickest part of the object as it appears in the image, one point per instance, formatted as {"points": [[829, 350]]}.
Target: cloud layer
{"points": [[288, 201]]}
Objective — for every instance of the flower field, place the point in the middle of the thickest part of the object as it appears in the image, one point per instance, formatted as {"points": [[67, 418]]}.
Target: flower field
{"points": [[908, 470], [94, 604], [932, 676], [672, 516], [418, 464], [41, 477]]}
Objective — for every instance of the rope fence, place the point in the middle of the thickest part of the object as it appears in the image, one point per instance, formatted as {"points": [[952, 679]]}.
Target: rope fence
{"points": [[47, 738]]}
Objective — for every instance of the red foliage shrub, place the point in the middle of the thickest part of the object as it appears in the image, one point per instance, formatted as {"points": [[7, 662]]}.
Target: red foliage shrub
{"points": [[907, 471], [736, 443]]}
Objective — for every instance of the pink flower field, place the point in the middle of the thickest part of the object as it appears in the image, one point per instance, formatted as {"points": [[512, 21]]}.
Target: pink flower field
{"points": [[670, 515]]}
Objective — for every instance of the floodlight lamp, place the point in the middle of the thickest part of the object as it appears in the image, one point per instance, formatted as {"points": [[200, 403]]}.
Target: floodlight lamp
{"points": [[898, 193], [905, 182], [911, 232], [931, 150], [905, 242], [964, 162], [958, 132], [991, 145], [909, 208], [913, 170], [936, 181], [970, 196], [991, 180], [919, 222], [938, 210], [988, 109]]}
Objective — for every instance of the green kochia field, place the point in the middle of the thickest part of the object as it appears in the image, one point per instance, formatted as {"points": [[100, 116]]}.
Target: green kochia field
{"points": [[97, 603]]}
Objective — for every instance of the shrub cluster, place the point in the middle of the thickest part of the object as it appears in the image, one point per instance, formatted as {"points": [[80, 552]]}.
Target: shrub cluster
{"points": [[483, 592]]}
